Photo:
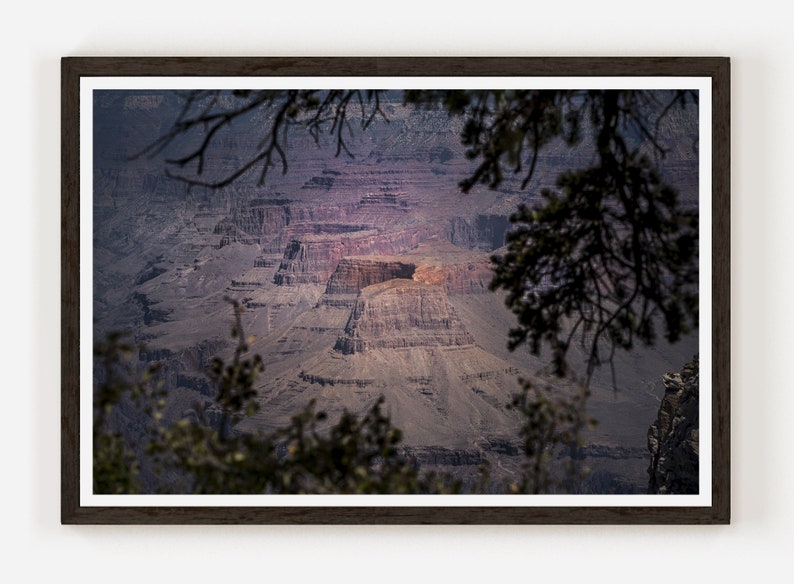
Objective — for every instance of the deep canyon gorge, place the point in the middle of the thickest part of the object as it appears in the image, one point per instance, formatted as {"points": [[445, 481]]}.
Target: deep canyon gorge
{"points": [[361, 275]]}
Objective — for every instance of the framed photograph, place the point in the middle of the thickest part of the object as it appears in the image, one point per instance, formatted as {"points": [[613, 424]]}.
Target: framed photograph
{"points": [[395, 290]]}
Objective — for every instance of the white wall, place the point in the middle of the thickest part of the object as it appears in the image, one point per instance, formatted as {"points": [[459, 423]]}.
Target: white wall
{"points": [[756, 37]]}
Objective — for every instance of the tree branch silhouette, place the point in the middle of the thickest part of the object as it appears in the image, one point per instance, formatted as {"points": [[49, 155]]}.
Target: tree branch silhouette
{"points": [[607, 253], [205, 113]]}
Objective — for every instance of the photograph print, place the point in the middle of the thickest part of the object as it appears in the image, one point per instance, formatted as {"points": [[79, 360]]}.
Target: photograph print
{"points": [[493, 292]]}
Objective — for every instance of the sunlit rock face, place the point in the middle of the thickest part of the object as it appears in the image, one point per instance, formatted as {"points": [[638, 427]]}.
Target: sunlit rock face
{"points": [[312, 259], [354, 274], [459, 278], [402, 313]]}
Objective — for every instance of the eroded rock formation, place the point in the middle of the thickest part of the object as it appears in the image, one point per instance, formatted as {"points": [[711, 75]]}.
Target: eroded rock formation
{"points": [[354, 274], [673, 439], [399, 314], [312, 259], [464, 277]]}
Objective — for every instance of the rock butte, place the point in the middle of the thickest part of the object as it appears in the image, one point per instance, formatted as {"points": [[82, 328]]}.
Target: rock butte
{"points": [[402, 313]]}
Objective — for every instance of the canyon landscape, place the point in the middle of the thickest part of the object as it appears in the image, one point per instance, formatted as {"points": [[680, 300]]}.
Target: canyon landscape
{"points": [[362, 274]]}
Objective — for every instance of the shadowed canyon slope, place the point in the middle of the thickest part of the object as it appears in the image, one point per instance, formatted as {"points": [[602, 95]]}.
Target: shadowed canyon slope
{"points": [[361, 276]]}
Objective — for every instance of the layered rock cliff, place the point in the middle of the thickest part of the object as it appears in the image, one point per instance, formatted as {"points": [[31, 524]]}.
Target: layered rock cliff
{"points": [[485, 231], [312, 259], [470, 276], [673, 439], [256, 223], [354, 274], [402, 313]]}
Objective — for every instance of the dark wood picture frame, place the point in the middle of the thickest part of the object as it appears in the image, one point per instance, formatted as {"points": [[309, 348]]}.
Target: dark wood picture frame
{"points": [[74, 69]]}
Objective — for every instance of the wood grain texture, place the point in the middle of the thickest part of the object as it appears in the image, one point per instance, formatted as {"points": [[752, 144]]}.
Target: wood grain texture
{"points": [[721, 294], [70, 289], [73, 69], [394, 66]]}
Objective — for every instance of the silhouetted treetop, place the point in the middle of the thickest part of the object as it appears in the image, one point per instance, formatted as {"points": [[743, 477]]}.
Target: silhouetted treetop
{"points": [[505, 130], [611, 254]]}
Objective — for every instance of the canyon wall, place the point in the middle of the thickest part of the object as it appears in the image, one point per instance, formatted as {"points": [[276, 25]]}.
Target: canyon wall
{"points": [[402, 313], [673, 439]]}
